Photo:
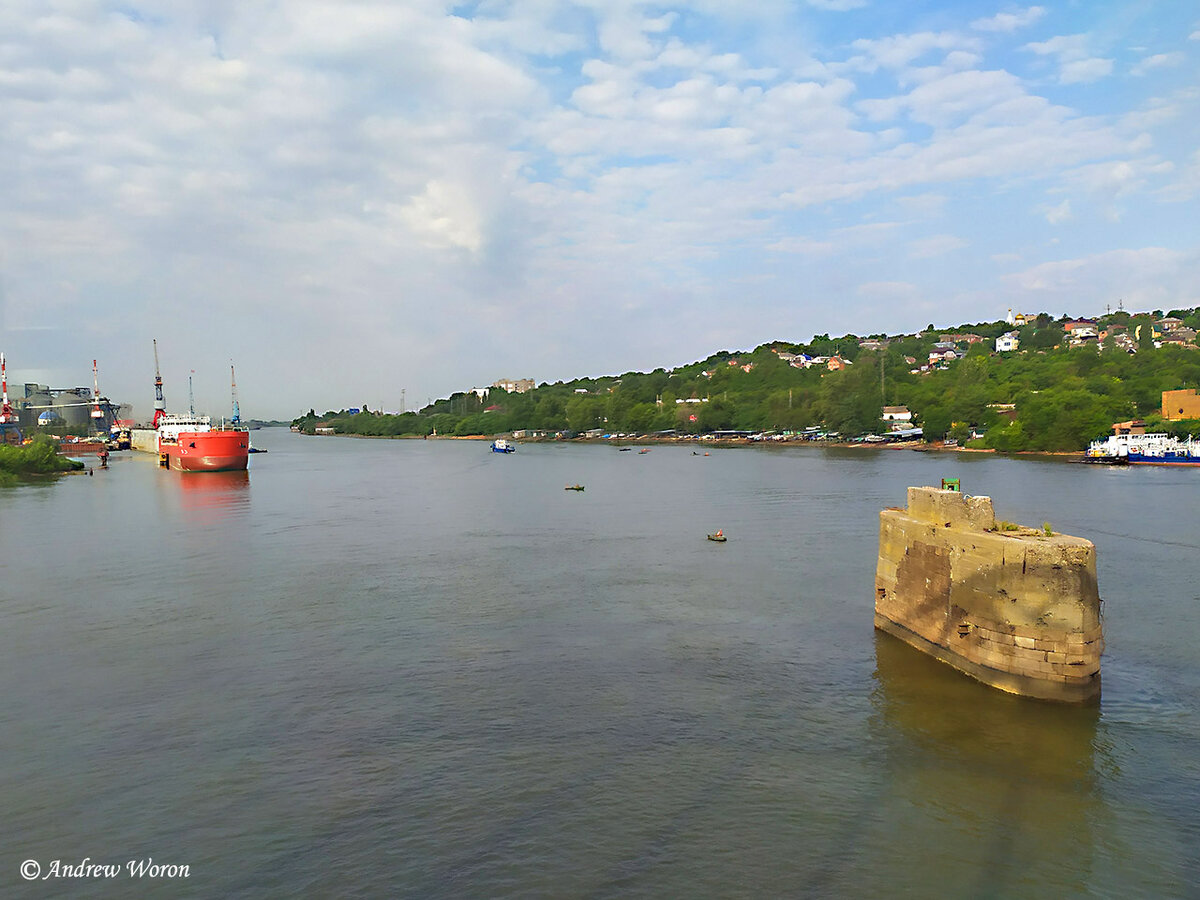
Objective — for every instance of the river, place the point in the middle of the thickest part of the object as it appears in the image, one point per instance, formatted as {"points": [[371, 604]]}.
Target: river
{"points": [[373, 668]]}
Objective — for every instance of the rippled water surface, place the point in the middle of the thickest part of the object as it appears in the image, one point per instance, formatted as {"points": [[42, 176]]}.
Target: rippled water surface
{"points": [[420, 669]]}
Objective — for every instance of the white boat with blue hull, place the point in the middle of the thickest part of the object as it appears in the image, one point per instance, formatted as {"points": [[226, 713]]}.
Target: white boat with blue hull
{"points": [[500, 445], [1145, 449]]}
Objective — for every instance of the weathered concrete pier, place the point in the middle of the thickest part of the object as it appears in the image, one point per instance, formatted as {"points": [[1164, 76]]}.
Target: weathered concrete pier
{"points": [[1016, 608]]}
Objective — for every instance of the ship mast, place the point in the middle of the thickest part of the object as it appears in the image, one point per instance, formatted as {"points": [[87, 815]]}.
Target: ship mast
{"points": [[160, 405], [191, 396], [237, 413]]}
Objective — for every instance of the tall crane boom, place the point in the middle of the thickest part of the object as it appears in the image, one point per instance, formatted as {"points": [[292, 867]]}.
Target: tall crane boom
{"points": [[237, 413], [97, 412], [160, 405], [6, 412]]}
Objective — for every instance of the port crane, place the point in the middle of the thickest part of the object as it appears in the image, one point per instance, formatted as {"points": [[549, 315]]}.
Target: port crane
{"points": [[160, 405], [8, 419], [97, 412]]}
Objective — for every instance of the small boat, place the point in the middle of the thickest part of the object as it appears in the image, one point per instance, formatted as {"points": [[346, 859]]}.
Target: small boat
{"points": [[644, 450], [500, 445], [624, 449], [573, 487], [719, 537]]}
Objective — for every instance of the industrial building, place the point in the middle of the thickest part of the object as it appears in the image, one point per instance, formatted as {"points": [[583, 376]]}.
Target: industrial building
{"points": [[38, 404]]}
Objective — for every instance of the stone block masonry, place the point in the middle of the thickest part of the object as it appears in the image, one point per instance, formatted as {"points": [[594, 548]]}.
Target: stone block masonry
{"points": [[1018, 610]]}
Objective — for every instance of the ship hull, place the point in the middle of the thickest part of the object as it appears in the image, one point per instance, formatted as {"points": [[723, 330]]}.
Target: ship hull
{"points": [[208, 451], [1138, 460]]}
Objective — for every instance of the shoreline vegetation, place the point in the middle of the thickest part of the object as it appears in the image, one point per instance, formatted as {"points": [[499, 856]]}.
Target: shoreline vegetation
{"points": [[1064, 385], [37, 458]]}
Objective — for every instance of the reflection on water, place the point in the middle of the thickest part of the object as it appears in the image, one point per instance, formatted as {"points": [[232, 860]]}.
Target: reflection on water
{"points": [[1002, 789], [213, 490]]}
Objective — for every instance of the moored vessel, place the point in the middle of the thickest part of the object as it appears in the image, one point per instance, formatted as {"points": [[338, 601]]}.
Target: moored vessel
{"points": [[191, 444], [1147, 449]]}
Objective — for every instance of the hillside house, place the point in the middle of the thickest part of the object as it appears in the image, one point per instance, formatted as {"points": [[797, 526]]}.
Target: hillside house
{"points": [[1167, 325], [898, 417], [943, 351], [1007, 343], [1181, 337]]}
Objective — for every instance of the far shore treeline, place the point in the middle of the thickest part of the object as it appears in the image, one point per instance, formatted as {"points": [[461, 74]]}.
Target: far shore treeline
{"points": [[1046, 395]]}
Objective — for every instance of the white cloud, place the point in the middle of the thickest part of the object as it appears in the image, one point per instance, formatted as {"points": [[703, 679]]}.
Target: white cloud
{"points": [[1146, 278], [1076, 63], [1159, 61], [1009, 22], [837, 5], [1085, 71], [937, 245], [1056, 215], [902, 50], [803, 246], [899, 291]]}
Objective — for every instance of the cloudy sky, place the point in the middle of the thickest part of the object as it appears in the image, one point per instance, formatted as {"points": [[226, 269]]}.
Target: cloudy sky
{"points": [[359, 202]]}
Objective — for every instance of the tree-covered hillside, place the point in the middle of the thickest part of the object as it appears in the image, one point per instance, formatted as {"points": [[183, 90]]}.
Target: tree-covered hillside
{"points": [[1047, 395]]}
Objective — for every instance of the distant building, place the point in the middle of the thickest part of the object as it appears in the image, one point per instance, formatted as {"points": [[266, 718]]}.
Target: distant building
{"points": [[1183, 337], [1133, 426], [1006, 343], [1018, 318], [1183, 404], [899, 417], [1168, 324], [519, 386]]}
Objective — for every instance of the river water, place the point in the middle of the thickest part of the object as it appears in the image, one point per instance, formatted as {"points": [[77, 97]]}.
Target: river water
{"points": [[374, 668]]}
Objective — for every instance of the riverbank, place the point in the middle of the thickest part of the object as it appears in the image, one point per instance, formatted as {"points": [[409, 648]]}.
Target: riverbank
{"points": [[37, 458], [723, 443]]}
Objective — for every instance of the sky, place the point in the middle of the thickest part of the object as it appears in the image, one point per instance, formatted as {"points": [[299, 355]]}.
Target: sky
{"points": [[383, 203]]}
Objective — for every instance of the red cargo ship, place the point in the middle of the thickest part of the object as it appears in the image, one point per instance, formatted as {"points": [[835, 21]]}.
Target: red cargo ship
{"points": [[191, 444]]}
